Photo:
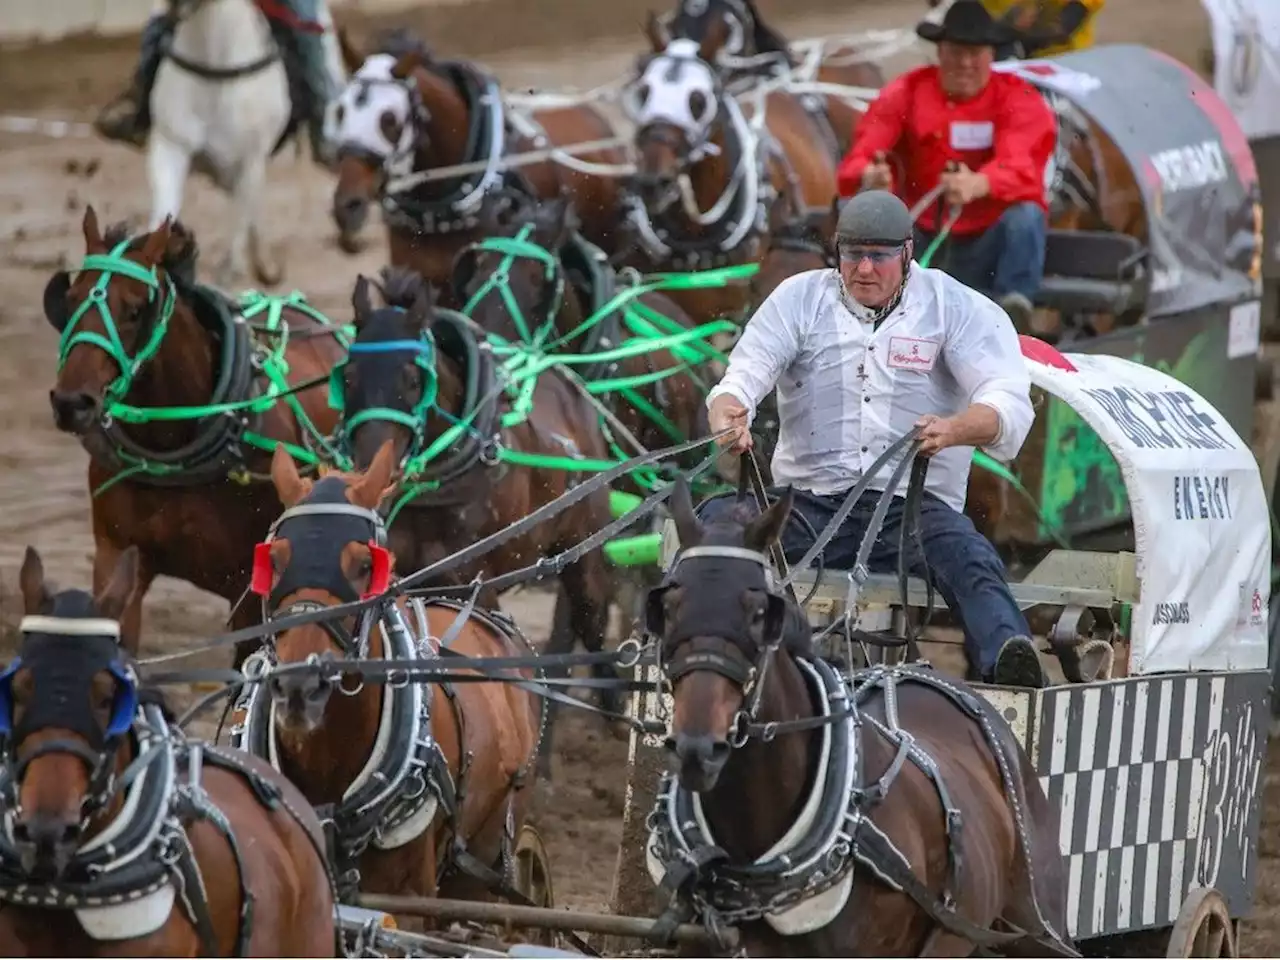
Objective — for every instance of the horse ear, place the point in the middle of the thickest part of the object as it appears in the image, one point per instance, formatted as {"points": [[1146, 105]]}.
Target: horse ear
{"points": [[409, 61], [93, 242], [556, 222], [767, 528], [376, 483], [289, 484], [157, 243], [361, 302], [31, 581], [352, 58], [423, 308], [116, 595], [656, 32], [688, 528]]}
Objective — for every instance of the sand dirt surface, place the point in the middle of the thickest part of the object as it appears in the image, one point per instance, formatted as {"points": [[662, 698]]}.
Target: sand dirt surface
{"points": [[47, 181]]}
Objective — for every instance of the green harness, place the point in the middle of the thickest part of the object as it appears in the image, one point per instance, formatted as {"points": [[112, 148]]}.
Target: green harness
{"points": [[225, 423]]}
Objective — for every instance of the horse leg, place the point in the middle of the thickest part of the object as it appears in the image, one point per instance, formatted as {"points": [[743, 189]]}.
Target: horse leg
{"points": [[104, 565], [168, 164], [560, 641], [246, 244], [588, 586]]}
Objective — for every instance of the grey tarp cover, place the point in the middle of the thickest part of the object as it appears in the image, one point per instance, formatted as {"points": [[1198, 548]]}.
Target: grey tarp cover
{"points": [[1189, 157]]}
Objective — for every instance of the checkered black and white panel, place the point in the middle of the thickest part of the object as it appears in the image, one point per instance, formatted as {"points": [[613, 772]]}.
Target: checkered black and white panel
{"points": [[1159, 783]]}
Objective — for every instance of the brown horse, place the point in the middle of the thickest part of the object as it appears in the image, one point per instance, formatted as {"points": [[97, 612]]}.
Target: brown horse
{"points": [[755, 717], [543, 269], [238, 839], [138, 331], [416, 377], [714, 177], [410, 113], [732, 34], [409, 774], [806, 242]]}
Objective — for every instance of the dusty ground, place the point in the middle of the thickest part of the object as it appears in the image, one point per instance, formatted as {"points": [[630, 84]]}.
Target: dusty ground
{"points": [[549, 43]]}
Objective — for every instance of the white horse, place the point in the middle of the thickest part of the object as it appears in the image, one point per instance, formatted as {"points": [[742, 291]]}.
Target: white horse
{"points": [[220, 100]]}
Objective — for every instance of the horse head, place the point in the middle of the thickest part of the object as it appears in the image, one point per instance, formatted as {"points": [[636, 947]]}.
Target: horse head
{"points": [[67, 704], [380, 122], [675, 102], [719, 619], [512, 282], [804, 243], [392, 377], [112, 318], [327, 548], [717, 26]]}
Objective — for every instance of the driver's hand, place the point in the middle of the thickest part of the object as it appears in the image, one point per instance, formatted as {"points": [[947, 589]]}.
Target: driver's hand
{"points": [[878, 175], [728, 411]]}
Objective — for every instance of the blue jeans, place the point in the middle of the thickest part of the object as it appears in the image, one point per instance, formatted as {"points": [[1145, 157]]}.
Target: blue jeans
{"points": [[1007, 258], [965, 566]]}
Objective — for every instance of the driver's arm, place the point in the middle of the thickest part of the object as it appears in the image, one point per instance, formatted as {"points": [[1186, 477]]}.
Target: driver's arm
{"points": [[983, 355], [879, 131], [769, 344], [1025, 133]]}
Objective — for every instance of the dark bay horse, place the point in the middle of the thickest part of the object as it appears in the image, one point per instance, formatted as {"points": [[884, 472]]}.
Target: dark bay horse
{"points": [[779, 758], [102, 852], [534, 280], [732, 34], [715, 175], [409, 113], [474, 458], [409, 774], [139, 333]]}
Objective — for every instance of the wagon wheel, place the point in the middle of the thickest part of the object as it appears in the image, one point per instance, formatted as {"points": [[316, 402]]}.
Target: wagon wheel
{"points": [[1204, 927], [533, 879], [533, 868]]}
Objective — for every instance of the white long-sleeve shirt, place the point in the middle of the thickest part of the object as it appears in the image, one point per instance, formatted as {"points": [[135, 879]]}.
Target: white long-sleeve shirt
{"points": [[846, 391]]}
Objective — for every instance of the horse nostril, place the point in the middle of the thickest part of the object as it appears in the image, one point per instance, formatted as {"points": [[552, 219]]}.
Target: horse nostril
{"points": [[73, 407], [71, 833], [21, 832]]}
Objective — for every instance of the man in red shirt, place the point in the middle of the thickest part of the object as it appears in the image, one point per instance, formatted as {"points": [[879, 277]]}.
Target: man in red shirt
{"points": [[997, 131]]}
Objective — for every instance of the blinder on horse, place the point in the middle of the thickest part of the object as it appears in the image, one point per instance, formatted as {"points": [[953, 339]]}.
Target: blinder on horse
{"points": [[709, 612], [63, 655], [423, 351], [318, 530]]}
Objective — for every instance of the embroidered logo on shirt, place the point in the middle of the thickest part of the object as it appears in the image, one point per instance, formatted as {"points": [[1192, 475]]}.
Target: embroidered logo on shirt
{"points": [[908, 353], [972, 135]]}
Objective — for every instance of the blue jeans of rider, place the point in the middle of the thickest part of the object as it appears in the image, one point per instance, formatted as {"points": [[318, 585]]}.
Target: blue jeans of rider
{"points": [[965, 567], [1007, 258]]}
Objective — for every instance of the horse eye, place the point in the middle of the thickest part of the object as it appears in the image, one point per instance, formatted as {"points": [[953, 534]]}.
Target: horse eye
{"points": [[389, 126], [642, 94], [340, 114], [698, 105]]}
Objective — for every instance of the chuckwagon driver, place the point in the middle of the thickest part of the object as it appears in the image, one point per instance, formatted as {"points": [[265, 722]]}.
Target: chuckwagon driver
{"points": [[997, 129], [859, 354]]}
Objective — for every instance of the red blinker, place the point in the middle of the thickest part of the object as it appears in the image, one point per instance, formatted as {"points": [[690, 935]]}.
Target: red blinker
{"points": [[379, 572], [263, 570]]}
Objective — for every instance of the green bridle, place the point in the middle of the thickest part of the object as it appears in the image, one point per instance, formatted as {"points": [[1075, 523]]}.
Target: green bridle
{"points": [[415, 420], [114, 264], [516, 248]]}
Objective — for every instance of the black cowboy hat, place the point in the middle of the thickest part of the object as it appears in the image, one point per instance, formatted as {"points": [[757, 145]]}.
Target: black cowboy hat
{"points": [[967, 23]]}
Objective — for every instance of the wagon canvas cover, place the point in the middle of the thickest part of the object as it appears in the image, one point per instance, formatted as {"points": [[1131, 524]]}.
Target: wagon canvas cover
{"points": [[1189, 157]]}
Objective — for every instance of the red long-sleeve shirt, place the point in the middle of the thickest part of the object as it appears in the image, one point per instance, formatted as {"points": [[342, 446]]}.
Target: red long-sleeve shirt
{"points": [[1007, 132]]}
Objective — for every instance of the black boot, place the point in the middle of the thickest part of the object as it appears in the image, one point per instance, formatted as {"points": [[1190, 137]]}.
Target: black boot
{"points": [[1018, 665], [127, 119]]}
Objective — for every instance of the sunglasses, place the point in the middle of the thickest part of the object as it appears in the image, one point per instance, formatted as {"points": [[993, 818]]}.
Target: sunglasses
{"points": [[876, 255]]}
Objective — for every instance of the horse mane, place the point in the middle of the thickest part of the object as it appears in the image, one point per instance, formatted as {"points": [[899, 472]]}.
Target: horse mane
{"points": [[180, 257], [797, 634], [402, 286]]}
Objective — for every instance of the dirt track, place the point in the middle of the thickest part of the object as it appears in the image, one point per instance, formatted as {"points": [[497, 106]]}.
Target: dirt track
{"points": [[44, 189]]}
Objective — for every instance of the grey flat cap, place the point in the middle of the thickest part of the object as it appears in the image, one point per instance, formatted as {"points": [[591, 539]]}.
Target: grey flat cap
{"points": [[874, 217]]}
